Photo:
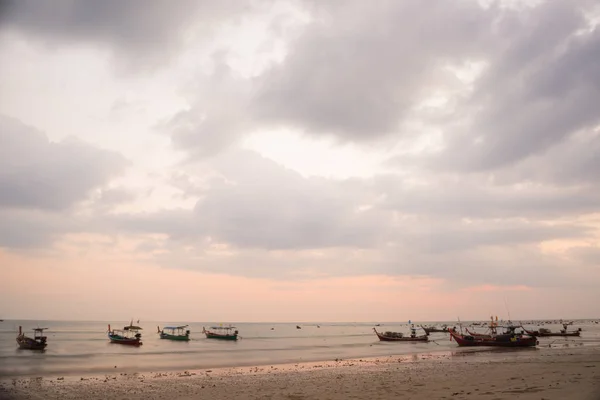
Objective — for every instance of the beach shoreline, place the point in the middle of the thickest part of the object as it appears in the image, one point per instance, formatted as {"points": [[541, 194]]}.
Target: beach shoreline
{"points": [[572, 373]]}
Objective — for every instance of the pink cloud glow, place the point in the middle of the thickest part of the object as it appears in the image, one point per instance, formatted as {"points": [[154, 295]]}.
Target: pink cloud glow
{"points": [[91, 279]]}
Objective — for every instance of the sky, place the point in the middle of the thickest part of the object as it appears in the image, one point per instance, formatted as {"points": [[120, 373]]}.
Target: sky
{"points": [[299, 160]]}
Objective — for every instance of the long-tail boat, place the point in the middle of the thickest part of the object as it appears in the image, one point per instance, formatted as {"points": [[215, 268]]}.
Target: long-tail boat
{"points": [[509, 329], [433, 329], [174, 333], [129, 335], [508, 340], [38, 342], [399, 337], [543, 332], [221, 332]]}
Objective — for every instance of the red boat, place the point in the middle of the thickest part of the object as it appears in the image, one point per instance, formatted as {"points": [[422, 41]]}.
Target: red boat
{"points": [[398, 337], [509, 340]]}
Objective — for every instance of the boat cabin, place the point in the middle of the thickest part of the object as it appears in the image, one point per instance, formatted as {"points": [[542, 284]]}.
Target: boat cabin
{"points": [[176, 330], [38, 334]]}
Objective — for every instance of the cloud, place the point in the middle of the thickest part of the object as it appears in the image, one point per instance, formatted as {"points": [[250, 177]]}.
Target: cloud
{"points": [[37, 173], [217, 117], [481, 196], [259, 204], [540, 86], [26, 229], [256, 218], [571, 163], [355, 72], [360, 68], [513, 166], [361, 73], [145, 34]]}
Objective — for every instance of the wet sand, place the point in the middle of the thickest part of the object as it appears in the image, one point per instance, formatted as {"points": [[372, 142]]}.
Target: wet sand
{"points": [[537, 374]]}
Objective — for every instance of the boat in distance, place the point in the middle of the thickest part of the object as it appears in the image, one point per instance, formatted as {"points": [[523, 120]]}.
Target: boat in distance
{"points": [[399, 337], [129, 335], [510, 340], [179, 333], [542, 332], [434, 329], [221, 332], [38, 342]]}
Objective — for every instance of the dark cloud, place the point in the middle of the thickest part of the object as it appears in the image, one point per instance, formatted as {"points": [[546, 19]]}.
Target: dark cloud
{"points": [[360, 67], [540, 86], [149, 31], [27, 229], [481, 197], [39, 174], [571, 165]]}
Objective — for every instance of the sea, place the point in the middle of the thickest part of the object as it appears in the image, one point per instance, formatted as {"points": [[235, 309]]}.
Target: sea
{"points": [[82, 347]]}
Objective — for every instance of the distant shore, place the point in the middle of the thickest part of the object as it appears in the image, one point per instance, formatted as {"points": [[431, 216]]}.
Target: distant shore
{"points": [[542, 373]]}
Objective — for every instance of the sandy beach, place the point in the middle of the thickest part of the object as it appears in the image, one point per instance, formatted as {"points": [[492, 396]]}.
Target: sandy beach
{"points": [[537, 374]]}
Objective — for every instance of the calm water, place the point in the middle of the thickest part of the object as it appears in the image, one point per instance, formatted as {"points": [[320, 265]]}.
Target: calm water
{"points": [[83, 347]]}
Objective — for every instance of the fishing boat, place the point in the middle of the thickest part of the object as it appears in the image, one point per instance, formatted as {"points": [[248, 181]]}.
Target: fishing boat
{"points": [[493, 326], [399, 337], [543, 332], [174, 333], [38, 342], [510, 340], [129, 335], [221, 332], [434, 329]]}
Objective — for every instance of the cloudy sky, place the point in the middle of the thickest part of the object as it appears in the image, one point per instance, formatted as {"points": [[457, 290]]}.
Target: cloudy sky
{"points": [[299, 160]]}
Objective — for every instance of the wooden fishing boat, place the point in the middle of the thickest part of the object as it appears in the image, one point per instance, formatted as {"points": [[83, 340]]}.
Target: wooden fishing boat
{"points": [[509, 340], [399, 337], [547, 333], [174, 333], [221, 332], [129, 335], [493, 326], [434, 329], [38, 342]]}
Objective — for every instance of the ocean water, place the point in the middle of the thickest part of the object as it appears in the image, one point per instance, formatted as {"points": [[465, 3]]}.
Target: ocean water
{"points": [[77, 347]]}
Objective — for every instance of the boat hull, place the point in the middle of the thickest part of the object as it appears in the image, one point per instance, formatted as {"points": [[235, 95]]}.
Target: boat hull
{"points": [[211, 335], [180, 338], [553, 334], [123, 340], [494, 341], [384, 338], [434, 330], [26, 343]]}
